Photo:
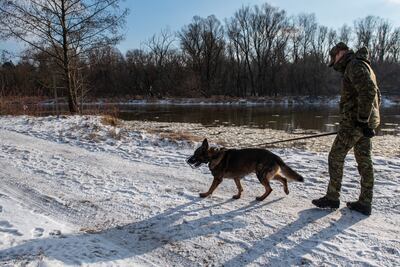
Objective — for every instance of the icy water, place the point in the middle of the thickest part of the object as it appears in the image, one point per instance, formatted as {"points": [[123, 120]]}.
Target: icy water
{"points": [[317, 117]]}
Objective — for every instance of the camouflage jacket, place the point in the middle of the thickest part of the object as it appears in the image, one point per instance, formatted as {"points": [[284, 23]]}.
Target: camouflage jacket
{"points": [[360, 95]]}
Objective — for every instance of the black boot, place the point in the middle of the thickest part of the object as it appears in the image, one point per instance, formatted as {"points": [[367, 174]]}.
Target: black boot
{"points": [[325, 202], [360, 207]]}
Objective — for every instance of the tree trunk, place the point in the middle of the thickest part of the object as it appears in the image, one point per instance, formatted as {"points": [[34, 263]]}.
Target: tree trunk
{"points": [[72, 105]]}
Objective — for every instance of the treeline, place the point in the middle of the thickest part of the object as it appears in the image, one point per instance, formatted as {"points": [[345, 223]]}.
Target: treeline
{"points": [[259, 51]]}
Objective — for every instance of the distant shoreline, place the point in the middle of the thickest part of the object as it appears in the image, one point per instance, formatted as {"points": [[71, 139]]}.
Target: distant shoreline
{"points": [[226, 101], [37, 106]]}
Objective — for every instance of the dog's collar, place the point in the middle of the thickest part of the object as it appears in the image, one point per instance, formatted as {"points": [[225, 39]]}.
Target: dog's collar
{"points": [[216, 159]]}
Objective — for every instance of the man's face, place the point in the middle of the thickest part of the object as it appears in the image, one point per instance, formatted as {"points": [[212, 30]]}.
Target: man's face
{"points": [[339, 55]]}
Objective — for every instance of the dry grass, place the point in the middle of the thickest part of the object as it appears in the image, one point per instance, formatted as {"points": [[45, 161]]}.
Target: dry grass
{"points": [[88, 230], [176, 135], [110, 120], [115, 134], [30, 105], [101, 110], [20, 105], [93, 136]]}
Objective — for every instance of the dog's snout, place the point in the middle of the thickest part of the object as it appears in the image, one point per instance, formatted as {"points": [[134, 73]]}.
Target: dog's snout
{"points": [[191, 160]]}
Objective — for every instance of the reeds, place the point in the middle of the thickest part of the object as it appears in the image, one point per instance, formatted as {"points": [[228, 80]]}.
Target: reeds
{"points": [[21, 105]]}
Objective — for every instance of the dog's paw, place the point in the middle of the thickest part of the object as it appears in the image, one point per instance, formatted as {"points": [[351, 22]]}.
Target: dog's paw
{"points": [[260, 198], [203, 195], [236, 197], [287, 192]]}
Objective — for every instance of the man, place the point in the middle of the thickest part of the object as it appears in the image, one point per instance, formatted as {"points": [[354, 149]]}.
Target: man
{"points": [[359, 110]]}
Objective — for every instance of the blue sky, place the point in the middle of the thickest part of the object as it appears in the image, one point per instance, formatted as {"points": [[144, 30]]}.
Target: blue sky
{"points": [[148, 17]]}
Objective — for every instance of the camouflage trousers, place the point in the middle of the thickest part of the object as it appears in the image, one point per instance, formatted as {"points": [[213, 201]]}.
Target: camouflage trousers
{"points": [[346, 139]]}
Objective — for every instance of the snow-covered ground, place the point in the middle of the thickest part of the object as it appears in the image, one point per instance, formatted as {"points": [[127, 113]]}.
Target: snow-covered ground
{"points": [[76, 192]]}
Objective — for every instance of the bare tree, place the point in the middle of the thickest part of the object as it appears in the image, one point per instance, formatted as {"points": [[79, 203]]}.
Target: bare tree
{"points": [[66, 30], [382, 40], [139, 77], [321, 45], [345, 34], [364, 30], [236, 73], [239, 31], [203, 43], [332, 39], [307, 25], [394, 46], [272, 25], [161, 54], [304, 42], [160, 45]]}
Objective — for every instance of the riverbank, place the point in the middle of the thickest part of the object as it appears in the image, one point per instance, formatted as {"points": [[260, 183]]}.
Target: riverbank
{"points": [[232, 136], [387, 101], [191, 133]]}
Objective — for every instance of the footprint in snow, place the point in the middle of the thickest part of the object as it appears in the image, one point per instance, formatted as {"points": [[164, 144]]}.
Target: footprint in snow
{"points": [[5, 224], [55, 233], [37, 232], [391, 250], [6, 227], [11, 231], [4, 196]]}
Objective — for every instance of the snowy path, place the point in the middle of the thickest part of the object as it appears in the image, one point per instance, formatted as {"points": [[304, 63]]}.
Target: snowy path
{"points": [[134, 203]]}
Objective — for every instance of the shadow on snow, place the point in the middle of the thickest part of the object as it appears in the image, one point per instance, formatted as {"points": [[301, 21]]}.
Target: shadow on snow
{"points": [[170, 227]]}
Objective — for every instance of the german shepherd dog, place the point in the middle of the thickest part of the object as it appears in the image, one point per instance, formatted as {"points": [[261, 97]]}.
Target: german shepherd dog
{"points": [[237, 163]]}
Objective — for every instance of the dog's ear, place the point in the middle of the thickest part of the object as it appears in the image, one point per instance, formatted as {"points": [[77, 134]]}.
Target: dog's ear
{"points": [[205, 143]]}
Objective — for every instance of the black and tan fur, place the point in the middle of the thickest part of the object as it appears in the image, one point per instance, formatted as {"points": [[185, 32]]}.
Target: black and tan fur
{"points": [[237, 163]]}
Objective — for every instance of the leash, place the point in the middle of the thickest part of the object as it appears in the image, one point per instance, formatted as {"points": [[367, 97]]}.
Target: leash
{"points": [[271, 143], [294, 139]]}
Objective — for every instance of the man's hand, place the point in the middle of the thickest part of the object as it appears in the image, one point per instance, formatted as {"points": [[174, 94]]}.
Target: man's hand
{"points": [[367, 132]]}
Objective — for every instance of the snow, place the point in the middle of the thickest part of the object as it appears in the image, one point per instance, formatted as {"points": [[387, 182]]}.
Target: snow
{"points": [[74, 191]]}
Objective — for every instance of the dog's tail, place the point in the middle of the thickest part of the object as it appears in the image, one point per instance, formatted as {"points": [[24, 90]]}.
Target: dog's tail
{"points": [[289, 173]]}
